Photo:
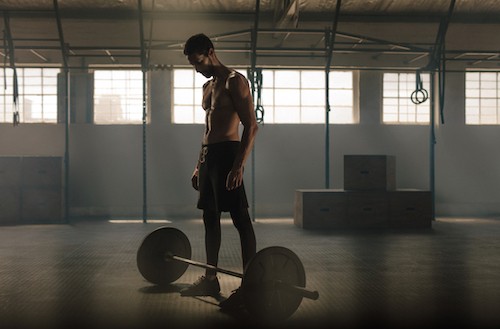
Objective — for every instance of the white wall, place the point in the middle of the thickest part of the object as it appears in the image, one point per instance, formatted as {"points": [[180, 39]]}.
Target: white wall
{"points": [[106, 161]]}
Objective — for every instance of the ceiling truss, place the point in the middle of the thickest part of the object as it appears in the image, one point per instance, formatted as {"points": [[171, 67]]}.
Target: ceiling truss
{"points": [[257, 42]]}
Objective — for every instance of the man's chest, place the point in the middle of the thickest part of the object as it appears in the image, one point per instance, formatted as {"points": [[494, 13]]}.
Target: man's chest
{"points": [[216, 98]]}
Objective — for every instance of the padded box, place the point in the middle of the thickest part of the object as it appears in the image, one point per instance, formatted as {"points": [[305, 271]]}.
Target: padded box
{"points": [[41, 205], [10, 205], [410, 208], [320, 209], [369, 172], [367, 209], [42, 171], [10, 171]]}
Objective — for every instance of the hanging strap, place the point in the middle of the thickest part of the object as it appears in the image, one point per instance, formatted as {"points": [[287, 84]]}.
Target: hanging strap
{"points": [[259, 108], [420, 95], [10, 53]]}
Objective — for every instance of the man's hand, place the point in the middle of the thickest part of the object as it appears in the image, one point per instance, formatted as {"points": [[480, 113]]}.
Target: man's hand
{"points": [[234, 179], [195, 180]]}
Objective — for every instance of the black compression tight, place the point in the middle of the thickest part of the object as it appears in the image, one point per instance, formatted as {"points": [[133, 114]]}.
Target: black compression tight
{"points": [[242, 222]]}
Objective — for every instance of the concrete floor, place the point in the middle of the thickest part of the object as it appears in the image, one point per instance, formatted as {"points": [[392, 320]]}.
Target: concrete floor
{"points": [[84, 275]]}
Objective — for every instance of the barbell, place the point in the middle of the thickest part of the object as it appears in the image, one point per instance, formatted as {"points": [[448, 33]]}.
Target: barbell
{"points": [[272, 285]]}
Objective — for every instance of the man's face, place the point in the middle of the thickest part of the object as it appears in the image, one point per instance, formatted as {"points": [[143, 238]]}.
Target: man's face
{"points": [[202, 64]]}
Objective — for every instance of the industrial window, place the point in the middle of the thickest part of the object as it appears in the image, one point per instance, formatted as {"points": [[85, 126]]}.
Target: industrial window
{"points": [[187, 96], [482, 98], [288, 96], [118, 97], [298, 96], [37, 90], [398, 108]]}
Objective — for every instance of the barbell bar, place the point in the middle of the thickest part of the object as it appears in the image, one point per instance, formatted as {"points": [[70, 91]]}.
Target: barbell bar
{"points": [[273, 283], [279, 284]]}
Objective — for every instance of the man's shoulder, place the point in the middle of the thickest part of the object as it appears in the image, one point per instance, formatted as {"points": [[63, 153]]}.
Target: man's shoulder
{"points": [[206, 84], [235, 77]]}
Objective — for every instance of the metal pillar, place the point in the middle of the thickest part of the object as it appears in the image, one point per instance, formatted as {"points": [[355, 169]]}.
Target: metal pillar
{"points": [[329, 42], [328, 36], [252, 78], [437, 61], [432, 146], [66, 111], [144, 118]]}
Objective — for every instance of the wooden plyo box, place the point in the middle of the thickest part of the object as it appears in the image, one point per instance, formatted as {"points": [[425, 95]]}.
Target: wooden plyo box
{"points": [[336, 209], [367, 209], [316, 209], [30, 189], [41, 189], [369, 172], [410, 208]]}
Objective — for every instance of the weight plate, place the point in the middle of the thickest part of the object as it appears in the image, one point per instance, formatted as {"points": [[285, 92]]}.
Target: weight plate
{"points": [[264, 284], [151, 256]]}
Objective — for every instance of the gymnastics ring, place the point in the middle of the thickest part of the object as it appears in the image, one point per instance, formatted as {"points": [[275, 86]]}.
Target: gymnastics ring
{"points": [[419, 96]]}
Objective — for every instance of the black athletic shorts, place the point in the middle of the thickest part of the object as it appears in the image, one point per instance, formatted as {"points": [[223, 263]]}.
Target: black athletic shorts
{"points": [[216, 161]]}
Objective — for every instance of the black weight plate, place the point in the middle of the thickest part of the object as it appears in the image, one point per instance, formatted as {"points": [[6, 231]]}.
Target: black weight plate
{"points": [[263, 297], [151, 259]]}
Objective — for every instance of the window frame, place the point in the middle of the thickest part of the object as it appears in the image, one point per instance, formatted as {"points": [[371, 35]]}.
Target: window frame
{"points": [[407, 98], [45, 96], [354, 89], [195, 90], [495, 99], [138, 99]]}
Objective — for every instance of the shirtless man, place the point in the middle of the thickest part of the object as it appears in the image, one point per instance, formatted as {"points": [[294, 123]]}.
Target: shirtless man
{"points": [[218, 175]]}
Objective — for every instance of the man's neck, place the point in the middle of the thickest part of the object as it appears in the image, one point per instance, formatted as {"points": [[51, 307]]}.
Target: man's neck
{"points": [[220, 72]]}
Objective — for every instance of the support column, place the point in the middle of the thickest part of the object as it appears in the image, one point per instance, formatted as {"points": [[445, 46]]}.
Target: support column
{"points": [[64, 54]]}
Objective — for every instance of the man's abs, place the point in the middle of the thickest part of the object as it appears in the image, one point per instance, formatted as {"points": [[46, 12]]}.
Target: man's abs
{"points": [[221, 126]]}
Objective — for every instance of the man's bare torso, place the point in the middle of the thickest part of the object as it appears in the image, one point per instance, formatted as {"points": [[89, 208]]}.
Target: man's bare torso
{"points": [[221, 118]]}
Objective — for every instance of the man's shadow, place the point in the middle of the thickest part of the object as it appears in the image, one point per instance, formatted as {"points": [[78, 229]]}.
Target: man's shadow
{"points": [[164, 289], [214, 300]]}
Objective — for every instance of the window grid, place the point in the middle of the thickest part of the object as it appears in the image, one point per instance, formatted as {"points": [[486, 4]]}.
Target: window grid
{"points": [[397, 105], [37, 101], [288, 96], [118, 97], [482, 98], [302, 99], [187, 97]]}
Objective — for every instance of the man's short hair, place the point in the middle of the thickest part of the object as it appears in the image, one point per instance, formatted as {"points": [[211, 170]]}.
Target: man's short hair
{"points": [[198, 44]]}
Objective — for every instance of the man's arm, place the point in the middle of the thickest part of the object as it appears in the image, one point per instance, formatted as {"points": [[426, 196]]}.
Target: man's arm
{"points": [[243, 104], [194, 176]]}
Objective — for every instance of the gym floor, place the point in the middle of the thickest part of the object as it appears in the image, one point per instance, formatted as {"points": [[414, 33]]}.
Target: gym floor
{"points": [[84, 275]]}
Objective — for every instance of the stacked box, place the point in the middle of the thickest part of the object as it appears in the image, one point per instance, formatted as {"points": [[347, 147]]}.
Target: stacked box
{"points": [[367, 209], [410, 208], [369, 199], [10, 190], [41, 188], [369, 172], [30, 190], [316, 209]]}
